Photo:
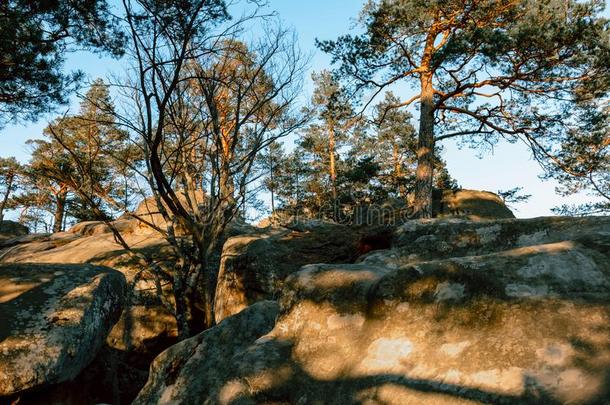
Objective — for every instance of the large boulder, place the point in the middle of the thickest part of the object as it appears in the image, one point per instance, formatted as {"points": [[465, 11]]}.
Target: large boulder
{"points": [[470, 204], [145, 328], [54, 320], [254, 266], [198, 367], [466, 204], [462, 203], [520, 321]]}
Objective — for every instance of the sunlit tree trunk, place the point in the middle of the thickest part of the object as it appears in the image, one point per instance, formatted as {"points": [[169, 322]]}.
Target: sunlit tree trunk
{"points": [[425, 150], [332, 166], [272, 190], [9, 188], [397, 169], [60, 211]]}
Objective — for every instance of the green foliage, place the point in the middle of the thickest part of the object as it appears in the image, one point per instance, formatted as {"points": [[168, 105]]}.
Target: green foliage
{"points": [[330, 102], [375, 163], [292, 179], [34, 37], [582, 162], [9, 169], [513, 196], [486, 69], [11, 172], [75, 169]]}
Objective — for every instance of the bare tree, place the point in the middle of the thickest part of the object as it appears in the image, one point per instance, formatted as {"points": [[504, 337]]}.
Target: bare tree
{"points": [[204, 104]]}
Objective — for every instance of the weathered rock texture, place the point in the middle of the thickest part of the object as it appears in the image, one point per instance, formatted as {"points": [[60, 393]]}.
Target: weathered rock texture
{"points": [[144, 329], [471, 204], [11, 229], [516, 312], [254, 266], [425, 240], [198, 367], [462, 203], [93, 243], [54, 320]]}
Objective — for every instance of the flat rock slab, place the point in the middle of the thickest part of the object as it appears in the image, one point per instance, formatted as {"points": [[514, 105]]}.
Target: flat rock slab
{"points": [[54, 318]]}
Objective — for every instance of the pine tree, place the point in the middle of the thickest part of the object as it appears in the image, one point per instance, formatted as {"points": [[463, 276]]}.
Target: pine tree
{"points": [[325, 137], [34, 38], [292, 180], [395, 144], [10, 173], [582, 163], [271, 161], [77, 162], [482, 70]]}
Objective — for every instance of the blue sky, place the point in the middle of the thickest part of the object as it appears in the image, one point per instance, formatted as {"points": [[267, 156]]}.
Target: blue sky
{"points": [[509, 165]]}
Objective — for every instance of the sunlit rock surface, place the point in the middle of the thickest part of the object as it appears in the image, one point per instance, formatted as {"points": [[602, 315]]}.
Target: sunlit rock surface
{"points": [[424, 240], [253, 266], [515, 311], [470, 204], [93, 242], [144, 329], [54, 320]]}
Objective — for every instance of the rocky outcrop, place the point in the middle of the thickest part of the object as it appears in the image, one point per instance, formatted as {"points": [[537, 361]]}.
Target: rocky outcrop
{"points": [[470, 204], [54, 320], [93, 243], [11, 229], [144, 329], [465, 204], [424, 240], [517, 312], [198, 367], [254, 266]]}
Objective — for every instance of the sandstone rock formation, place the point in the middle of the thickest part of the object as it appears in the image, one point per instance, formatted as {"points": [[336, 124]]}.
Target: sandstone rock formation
{"points": [[92, 242], [462, 203], [144, 329], [198, 367], [470, 204], [54, 320], [11, 229], [445, 238], [148, 212], [254, 266], [513, 312]]}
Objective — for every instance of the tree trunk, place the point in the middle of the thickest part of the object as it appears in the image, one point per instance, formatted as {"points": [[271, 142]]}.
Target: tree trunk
{"points": [[397, 169], [60, 211], [272, 205], [425, 150], [331, 154], [296, 190], [207, 283], [272, 189], [9, 188], [226, 186], [182, 305], [332, 169]]}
